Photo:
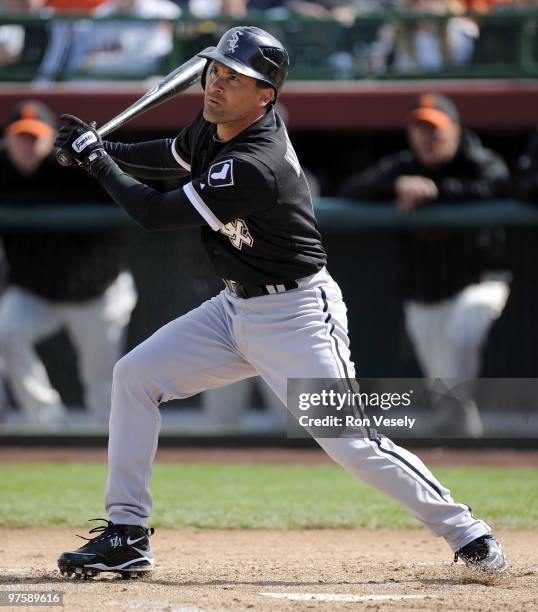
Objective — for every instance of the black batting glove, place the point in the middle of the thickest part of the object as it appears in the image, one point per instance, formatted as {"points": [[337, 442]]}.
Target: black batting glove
{"points": [[81, 141]]}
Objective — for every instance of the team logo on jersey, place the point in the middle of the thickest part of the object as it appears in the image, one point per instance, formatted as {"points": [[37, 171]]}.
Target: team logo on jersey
{"points": [[238, 233], [234, 39], [221, 174]]}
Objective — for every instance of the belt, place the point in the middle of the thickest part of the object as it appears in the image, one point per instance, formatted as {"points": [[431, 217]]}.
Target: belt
{"points": [[249, 291]]}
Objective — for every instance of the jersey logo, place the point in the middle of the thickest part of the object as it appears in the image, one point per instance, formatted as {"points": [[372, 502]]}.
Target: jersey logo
{"points": [[238, 233], [221, 174], [234, 39], [291, 156]]}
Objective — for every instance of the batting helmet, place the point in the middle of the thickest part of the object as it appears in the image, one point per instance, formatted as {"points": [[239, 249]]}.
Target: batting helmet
{"points": [[253, 52]]}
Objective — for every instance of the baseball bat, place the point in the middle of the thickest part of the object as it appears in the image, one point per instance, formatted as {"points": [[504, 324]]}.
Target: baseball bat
{"points": [[168, 87]]}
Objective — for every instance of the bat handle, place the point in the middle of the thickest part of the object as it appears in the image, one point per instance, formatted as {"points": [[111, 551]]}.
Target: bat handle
{"points": [[63, 158]]}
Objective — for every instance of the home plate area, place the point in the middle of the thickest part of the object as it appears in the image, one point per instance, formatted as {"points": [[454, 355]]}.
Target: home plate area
{"points": [[280, 570]]}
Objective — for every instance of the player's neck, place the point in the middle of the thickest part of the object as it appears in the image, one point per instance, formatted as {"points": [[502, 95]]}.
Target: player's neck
{"points": [[227, 131]]}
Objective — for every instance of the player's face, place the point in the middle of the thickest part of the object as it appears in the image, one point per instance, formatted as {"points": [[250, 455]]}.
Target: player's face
{"points": [[27, 152], [434, 145], [233, 101]]}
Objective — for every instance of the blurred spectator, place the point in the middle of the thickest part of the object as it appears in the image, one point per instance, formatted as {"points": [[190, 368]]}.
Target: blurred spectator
{"points": [[74, 6], [343, 11], [126, 47], [527, 172], [500, 39], [509, 5], [273, 9], [160, 9], [57, 279], [11, 43], [210, 9], [478, 6], [38, 48], [454, 282], [22, 6], [426, 44]]}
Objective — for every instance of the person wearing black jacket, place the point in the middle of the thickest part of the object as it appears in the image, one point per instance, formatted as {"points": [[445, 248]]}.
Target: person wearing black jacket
{"points": [[56, 279], [527, 172], [454, 283]]}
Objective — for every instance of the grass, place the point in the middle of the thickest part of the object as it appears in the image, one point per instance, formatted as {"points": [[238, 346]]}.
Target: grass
{"points": [[242, 496]]}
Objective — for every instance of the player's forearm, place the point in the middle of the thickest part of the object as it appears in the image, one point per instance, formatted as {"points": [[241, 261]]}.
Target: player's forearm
{"points": [[147, 160], [151, 209]]}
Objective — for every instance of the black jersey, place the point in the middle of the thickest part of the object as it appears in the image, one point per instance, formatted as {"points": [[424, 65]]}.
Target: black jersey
{"points": [[248, 194], [255, 200]]}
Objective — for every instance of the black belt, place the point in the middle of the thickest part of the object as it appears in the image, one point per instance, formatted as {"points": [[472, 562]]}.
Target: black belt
{"points": [[249, 291]]}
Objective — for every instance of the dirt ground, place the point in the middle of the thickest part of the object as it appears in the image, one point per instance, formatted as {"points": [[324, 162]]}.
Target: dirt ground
{"points": [[433, 456], [257, 570], [260, 570]]}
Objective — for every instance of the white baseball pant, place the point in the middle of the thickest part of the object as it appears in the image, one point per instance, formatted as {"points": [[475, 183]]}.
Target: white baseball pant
{"points": [[448, 336], [301, 333], [95, 327]]}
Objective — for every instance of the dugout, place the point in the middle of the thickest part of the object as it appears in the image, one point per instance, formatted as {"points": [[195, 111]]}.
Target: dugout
{"points": [[338, 127]]}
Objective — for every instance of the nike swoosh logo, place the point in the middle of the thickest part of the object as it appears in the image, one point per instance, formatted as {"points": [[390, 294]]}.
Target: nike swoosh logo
{"points": [[222, 174], [130, 542]]}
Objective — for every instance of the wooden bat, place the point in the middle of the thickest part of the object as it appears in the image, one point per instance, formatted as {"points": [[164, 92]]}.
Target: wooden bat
{"points": [[170, 86]]}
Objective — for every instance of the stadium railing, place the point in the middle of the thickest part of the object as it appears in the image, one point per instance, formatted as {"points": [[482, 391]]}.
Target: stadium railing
{"points": [[332, 213], [505, 46]]}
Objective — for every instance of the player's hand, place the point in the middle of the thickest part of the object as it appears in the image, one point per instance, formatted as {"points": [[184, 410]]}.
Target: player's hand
{"points": [[80, 140], [411, 191]]}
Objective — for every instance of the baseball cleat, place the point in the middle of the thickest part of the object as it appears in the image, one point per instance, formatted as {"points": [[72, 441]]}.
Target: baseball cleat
{"points": [[123, 549], [483, 554]]}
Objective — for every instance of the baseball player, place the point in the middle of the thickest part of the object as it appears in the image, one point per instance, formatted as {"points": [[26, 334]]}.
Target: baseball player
{"points": [[454, 284], [280, 315], [76, 282]]}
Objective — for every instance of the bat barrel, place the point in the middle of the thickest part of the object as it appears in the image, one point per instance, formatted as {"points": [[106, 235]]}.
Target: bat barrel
{"points": [[170, 86]]}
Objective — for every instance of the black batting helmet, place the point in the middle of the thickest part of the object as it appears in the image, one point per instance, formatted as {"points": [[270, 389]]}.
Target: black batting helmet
{"points": [[253, 52]]}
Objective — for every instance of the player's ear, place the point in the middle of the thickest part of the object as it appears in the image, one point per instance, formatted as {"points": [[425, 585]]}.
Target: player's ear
{"points": [[266, 95]]}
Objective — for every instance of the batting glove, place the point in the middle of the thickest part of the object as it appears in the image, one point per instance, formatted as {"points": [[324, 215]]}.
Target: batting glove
{"points": [[81, 141]]}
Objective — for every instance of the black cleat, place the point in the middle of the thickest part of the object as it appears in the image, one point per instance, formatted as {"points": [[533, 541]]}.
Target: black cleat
{"points": [[123, 549], [483, 554]]}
